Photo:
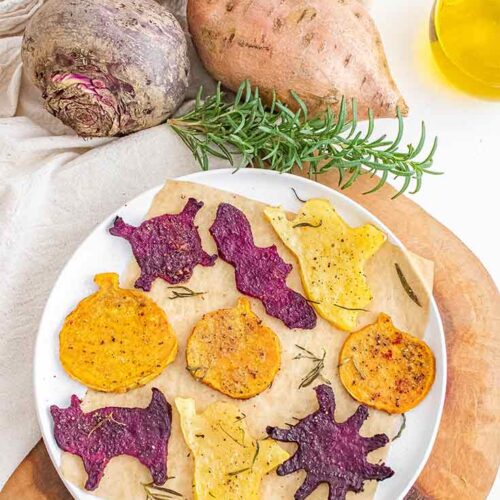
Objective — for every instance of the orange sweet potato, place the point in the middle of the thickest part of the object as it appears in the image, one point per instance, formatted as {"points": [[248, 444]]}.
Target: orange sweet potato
{"points": [[321, 49]]}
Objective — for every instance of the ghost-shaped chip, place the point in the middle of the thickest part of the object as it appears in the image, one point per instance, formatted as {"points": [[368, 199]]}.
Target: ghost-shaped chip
{"points": [[228, 462], [232, 351], [332, 256], [116, 339], [99, 435], [384, 367]]}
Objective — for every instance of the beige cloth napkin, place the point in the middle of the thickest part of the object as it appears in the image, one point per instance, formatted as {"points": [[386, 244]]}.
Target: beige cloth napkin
{"points": [[54, 188]]}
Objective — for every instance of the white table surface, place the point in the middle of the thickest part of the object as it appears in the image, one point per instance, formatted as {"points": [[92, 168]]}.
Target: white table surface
{"points": [[466, 197]]}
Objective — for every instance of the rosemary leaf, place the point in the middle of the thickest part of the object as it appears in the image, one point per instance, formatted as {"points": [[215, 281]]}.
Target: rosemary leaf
{"points": [[308, 224], [350, 308], [401, 429], [247, 133], [297, 196], [407, 288]]}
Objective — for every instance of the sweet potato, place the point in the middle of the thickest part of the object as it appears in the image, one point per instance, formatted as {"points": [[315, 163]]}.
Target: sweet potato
{"points": [[321, 49]]}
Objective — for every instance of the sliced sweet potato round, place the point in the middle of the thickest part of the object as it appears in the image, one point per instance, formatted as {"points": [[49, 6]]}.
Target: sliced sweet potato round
{"points": [[386, 368], [116, 339], [231, 351]]}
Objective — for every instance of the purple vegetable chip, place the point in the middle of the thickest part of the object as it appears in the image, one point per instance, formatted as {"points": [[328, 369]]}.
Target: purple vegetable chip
{"points": [[166, 247], [105, 433], [331, 452], [260, 272]]}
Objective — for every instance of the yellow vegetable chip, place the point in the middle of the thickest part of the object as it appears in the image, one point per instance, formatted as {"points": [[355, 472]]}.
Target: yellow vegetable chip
{"points": [[228, 462], [233, 352], [116, 339], [331, 256], [386, 368]]}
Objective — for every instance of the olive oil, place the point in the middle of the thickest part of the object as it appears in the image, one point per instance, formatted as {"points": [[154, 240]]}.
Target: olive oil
{"points": [[465, 41]]}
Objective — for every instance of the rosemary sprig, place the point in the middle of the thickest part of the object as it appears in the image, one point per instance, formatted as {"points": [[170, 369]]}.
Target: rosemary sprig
{"points": [[407, 288], [277, 138], [316, 370], [154, 492], [180, 292]]}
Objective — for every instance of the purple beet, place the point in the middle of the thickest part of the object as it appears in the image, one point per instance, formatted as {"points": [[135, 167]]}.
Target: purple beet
{"points": [[166, 247], [105, 433], [260, 272], [331, 452]]}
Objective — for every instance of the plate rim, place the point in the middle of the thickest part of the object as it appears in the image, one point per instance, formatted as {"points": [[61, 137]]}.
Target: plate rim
{"points": [[194, 177]]}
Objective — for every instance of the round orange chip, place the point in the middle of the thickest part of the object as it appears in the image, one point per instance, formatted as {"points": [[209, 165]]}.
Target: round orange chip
{"points": [[116, 339], [386, 368], [233, 352]]}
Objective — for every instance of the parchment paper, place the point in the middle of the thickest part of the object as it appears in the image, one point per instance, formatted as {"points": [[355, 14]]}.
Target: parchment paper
{"points": [[277, 405]]}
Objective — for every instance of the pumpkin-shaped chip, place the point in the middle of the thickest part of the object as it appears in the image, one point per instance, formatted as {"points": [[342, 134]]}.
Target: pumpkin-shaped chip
{"points": [[386, 368], [116, 339], [233, 352]]}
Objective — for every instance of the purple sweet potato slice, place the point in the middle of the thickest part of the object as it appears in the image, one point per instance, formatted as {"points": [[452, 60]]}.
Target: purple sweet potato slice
{"points": [[167, 246], [260, 272], [105, 433], [331, 452]]}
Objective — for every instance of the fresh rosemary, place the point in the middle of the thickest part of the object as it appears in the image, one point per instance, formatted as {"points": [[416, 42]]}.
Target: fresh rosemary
{"points": [[250, 467], [316, 370], [407, 288], [277, 138]]}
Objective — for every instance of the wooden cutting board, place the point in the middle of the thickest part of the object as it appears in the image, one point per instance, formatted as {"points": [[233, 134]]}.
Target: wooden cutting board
{"points": [[466, 455]]}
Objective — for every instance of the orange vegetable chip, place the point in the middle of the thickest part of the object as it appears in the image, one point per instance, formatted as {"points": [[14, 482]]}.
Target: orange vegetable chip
{"points": [[233, 352], [116, 339], [386, 368]]}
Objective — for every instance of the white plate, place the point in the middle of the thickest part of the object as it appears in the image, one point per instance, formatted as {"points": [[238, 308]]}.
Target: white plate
{"points": [[101, 253]]}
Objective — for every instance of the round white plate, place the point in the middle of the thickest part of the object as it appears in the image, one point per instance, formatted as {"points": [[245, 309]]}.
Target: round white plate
{"points": [[102, 253]]}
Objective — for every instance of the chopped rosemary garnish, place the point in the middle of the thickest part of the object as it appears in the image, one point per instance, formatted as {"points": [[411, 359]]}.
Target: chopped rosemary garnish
{"points": [[316, 371], [351, 308], [250, 467], [107, 418], [154, 492], [277, 138], [297, 196], [239, 418], [180, 292], [408, 289], [308, 224], [242, 444], [401, 429]]}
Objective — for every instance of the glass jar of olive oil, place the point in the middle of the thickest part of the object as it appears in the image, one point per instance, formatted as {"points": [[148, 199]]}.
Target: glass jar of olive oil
{"points": [[467, 35]]}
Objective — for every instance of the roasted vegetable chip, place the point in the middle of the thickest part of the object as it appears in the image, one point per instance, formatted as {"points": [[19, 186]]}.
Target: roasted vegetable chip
{"points": [[386, 368], [233, 352], [331, 452], [228, 462], [116, 339], [332, 256], [167, 246], [260, 272], [105, 433]]}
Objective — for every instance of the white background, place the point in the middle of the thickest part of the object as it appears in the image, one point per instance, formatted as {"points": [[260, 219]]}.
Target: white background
{"points": [[466, 197]]}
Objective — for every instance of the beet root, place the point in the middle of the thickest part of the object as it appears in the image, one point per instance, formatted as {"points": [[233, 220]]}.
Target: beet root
{"points": [[105, 67]]}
